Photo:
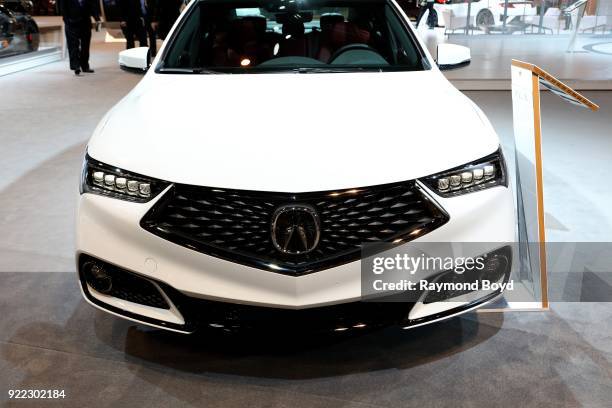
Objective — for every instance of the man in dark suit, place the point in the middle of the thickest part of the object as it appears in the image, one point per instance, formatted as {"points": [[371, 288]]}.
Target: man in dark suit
{"points": [[166, 13], [426, 5], [137, 22], [150, 24], [77, 16]]}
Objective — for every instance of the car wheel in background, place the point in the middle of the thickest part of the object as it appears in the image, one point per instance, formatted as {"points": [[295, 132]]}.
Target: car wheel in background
{"points": [[32, 36], [485, 19]]}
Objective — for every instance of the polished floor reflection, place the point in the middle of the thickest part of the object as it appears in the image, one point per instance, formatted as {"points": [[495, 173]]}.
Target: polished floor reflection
{"points": [[588, 65]]}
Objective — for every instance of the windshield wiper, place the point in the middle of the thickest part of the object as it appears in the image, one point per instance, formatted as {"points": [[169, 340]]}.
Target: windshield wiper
{"points": [[326, 70], [187, 71], [299, 70]]}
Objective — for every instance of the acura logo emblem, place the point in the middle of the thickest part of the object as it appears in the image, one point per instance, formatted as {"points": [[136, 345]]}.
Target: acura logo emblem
{"points": [[295, 229]]}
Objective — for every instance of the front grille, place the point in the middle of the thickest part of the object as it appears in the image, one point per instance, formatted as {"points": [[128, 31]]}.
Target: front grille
{"points": [[236, 225]]}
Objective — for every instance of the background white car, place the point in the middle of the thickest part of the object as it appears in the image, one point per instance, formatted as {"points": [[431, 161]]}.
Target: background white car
{"points": [[484, 13]]}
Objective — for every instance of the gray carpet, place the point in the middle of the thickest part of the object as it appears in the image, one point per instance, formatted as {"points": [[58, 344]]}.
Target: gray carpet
{"points": [[50, 338]]}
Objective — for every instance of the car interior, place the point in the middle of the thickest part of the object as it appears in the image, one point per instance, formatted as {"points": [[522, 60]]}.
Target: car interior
{"points": [[239, 37]]}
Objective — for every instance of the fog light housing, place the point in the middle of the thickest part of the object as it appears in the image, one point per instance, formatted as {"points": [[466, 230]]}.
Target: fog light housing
{"points": [[497, 267], [111, 280], [97, 277]]}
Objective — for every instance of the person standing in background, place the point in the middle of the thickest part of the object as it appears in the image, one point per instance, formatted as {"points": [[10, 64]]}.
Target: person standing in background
{"points": [[149, 16], [166, 13], [77, 16], [132, 22], [426, 5]]}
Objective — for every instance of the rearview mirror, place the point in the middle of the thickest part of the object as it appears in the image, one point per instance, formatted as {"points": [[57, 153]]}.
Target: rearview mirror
{"points": [[135, 59], [451, 56]]}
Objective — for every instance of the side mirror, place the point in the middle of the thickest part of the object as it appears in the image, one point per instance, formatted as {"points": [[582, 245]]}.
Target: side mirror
{"points": [[451, 56], [135, 59]]}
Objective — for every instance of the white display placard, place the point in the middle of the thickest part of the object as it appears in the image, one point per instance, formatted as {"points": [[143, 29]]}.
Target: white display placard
{"points": [[526, 122], [526, 80]]}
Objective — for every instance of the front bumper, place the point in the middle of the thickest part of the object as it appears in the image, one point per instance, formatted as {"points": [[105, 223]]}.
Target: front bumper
{"points": [[109, 230]]}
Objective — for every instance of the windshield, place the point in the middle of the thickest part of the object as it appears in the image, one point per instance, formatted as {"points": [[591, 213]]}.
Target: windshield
{"points": [[250, 36]]}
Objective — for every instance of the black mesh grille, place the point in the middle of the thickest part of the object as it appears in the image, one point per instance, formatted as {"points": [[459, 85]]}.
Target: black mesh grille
{"points": [[134, 289], [205, 314], [236, 225]]}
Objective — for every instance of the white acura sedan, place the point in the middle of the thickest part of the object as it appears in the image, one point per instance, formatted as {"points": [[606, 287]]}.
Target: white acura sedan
{"points": [[236, 185]]}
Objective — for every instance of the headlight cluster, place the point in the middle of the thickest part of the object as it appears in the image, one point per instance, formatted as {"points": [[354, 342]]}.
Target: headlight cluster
{"points": [[100, 178], [487, 172]]}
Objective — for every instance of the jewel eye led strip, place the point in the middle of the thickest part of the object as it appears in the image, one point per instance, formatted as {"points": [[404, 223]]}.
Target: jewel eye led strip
{"points": [[487, 172], [121, 184], [102, 179], [466, 178]]}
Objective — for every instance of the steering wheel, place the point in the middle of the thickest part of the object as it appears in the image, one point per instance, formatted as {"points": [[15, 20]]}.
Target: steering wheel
{"points": [[350, 47]]}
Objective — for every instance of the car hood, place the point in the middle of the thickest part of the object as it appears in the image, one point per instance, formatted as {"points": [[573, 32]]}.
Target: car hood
{"points": [[292, 132]]}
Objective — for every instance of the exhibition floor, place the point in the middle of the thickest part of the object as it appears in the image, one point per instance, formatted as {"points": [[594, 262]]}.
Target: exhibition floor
{"points": [[51, 339], [587, 67]]}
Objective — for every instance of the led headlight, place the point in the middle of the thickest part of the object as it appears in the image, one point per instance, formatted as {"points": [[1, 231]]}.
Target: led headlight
{"points": [[100, 178], [487, 172]]}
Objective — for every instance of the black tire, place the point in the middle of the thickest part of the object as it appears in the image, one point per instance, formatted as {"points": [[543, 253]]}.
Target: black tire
{"points": [[33, 36], [485, 18]]}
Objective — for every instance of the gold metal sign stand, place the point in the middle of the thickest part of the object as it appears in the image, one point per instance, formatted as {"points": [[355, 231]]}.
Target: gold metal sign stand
{"points": [[526, 81]]}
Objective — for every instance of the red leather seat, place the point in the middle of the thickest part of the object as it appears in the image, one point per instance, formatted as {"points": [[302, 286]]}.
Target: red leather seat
{"points": [[294, 42], [327, 21], [247, 41], [338, 35]]}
